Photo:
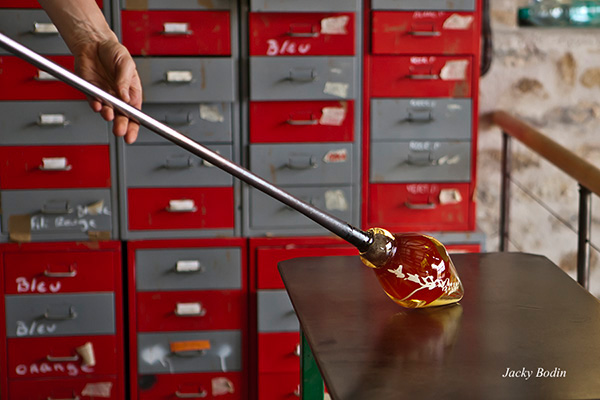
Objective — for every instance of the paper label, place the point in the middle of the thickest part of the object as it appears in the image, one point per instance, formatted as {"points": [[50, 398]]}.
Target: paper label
{"points": [[211, 113], [95, 208], [187, 266], [336, 156], [458, 22], [190, 345], [179, 76], [44, 76], [336, 200], [188, 308], [51, 119], [87, 354], [448, 160], [45, 27], [450, 196], [335, 25], [333, 116], [54, 163], [181, 205], [455, 70], [99, 389], [176, 27], [336, 89], [222, 386]]}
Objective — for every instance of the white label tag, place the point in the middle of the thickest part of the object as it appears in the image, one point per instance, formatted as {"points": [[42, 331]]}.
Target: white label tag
{"points": [[450, 196], [54, 163], [211, 113], [86, 352], [221, 386], [176, 27], [179, 76], [333, 116], [336, 89], [187, 266], [44, 76], [336, 200], [455, 70], [335, 25], [44, 27], [188, 308], [95, 208], [51, 119], [336, 156], [448, 160], [182, 205], [458, 22], [100, 389]]}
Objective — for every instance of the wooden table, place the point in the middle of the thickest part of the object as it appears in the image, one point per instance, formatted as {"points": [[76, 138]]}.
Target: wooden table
{"points": [[520, 314]]}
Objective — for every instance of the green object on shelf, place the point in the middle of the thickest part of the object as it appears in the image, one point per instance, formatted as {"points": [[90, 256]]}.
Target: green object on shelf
{"points": [[312, 384], [583, 13]]}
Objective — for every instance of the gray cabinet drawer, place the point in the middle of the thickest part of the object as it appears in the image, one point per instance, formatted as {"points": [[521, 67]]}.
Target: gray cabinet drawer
{"points": [[188, 269], [415, 161], [176, 4], [204, 122], [33, 29], [156, 357], [60, 214], [169, 165], [441, 5], [50, 122], [302, 78], [304, 5], [275, 312], [185, 79], [60, 314], [268, 213], [421, 119], [303, 164]]}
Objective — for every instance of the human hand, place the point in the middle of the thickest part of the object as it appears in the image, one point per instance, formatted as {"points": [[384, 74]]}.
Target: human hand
{"points": [[108, 65]]}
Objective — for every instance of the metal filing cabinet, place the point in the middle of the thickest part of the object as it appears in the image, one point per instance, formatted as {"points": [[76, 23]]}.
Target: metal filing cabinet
{"points": [[63, 335]]}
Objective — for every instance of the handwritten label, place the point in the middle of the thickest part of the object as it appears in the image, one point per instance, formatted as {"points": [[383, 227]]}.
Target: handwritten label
{"points": [[422, 188], [25, 286], [423, 146], [35, 328], [275, 48], [422, 60], [336, 156], [68, 368]]}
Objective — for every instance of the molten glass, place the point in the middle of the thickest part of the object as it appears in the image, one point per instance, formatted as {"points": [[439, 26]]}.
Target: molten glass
{"points": [[414, 270]]}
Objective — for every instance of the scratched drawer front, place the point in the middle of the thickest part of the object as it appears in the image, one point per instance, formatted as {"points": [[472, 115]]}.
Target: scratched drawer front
{"points": [[58, 272], [279, 352], [51, 122], [429, 76], [204, 122], [60, 315], [33, 29], [207, 385], [211, 269], [468, 5], [302, 78], [420, 161], [421, 119], [20, 80], [44, 389], [60, 214], [155, 355], [189, 311], [175, 5], [275, 312], [32, 167], [181, 33], [298, 34], [303, 164], [301, 121], [187, 80], [304, 5], [171, 166], [424, 33], [58, 357], [268, 213]]}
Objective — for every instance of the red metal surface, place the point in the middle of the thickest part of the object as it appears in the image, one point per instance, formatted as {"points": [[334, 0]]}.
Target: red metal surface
{"points": [[44, 389], [423, 32], [156, 310], [301, 121], [298, 34], [39, 272], [404, 76], [395, 207], [165, 386], [27, 357], [18, 80], [144, 33], [148, 208], [27, 4], [279, 352], [22, 167], [279, 386], [463, 248]]}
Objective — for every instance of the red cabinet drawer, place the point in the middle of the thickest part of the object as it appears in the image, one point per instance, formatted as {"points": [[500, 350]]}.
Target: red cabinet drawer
{"points": [[297, 34], [421, 76], [301, 121], [106, 388], [188, 311], [58, 272], [431, 32], [20, 80], [209, 208], [279, 386], [426, 206], [267, 259], [59, 167], [222, 386], [176, 32], [463, 248], [58, 357], [279, 352], [27, 4]]}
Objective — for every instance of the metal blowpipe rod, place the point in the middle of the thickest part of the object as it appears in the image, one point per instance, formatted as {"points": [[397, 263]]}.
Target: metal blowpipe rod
{"points": [[357, 237]]}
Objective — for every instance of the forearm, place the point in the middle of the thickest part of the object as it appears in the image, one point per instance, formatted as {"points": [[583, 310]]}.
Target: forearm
{"points": [[80, 22]]}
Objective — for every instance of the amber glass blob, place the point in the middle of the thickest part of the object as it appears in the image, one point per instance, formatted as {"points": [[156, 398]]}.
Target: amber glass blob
{"points": [[417, 270]]}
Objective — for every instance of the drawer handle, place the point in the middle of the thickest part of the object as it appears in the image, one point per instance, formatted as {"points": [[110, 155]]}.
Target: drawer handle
{"points": [[421, 161], [181, 206], [423, 77], [57, 207], [71, 274], [178, 120], [72, 315], [200, 395], [179, 77], [297, 350], [55, 164], [302, 163], [71, 398], [52, 120], [178, 162], [189, 266], [44, 28], [302, 75], [424, 206], [43, 76], [62, 359], [189, 310], [302, 122], [176, 28], [297, 391], [303, 31], [425, 33], [189, 353], [419, 115]]}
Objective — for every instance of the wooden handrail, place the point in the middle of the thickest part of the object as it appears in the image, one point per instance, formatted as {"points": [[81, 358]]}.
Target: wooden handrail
{"points": [[587, 174]]}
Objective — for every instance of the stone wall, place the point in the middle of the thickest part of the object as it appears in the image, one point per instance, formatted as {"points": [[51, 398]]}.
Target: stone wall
{"points": [[549, 77]]}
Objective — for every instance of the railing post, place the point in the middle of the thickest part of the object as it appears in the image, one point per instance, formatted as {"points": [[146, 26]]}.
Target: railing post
{"points": [[505, 192], [583, 237]]}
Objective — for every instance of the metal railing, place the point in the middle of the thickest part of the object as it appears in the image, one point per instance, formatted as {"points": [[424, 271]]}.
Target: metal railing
{"points": [[586, 174]]}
